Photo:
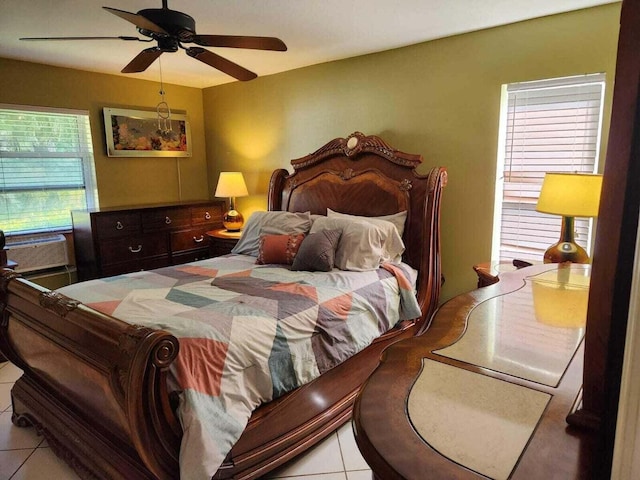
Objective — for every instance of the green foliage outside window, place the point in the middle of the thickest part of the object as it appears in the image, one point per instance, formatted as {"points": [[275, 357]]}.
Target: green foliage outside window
{"points": [[46, 169]]}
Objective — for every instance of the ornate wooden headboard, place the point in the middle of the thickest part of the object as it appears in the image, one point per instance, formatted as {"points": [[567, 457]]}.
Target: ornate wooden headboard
{"points": [[363, 175]]}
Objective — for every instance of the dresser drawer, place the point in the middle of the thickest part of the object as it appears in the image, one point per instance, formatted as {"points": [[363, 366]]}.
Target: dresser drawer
{"points": [[135, 266], [166, 219], [190, 256], [194, 238], [117, 224], [211, 214], [132, 248]]}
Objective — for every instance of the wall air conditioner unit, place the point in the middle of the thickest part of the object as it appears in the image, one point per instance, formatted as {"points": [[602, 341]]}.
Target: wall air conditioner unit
{"points": [[37, 252]]}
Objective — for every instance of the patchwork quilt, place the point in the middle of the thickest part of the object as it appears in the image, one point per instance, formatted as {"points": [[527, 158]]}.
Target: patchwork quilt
{"points": [[249, 333]]}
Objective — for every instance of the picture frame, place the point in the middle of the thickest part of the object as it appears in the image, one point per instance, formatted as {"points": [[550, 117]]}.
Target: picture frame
{"points": [[140, 133]]}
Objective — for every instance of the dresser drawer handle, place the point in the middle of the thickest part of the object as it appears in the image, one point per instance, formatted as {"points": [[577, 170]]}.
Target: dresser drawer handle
{"points": [[119, 226], [167, 220], [135, 250], [207, 216], [198, 240]]}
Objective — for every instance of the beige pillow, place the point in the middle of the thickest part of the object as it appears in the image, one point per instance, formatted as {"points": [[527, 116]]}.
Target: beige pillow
{"points": [[363, 245], [269, 223], [398, 219]]}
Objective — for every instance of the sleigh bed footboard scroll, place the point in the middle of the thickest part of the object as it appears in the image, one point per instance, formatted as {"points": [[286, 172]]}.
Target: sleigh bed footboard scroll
{"points": [[97, 383]]}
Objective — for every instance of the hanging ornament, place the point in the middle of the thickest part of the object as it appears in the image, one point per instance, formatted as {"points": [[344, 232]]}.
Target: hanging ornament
{"points": [[165, 129]]}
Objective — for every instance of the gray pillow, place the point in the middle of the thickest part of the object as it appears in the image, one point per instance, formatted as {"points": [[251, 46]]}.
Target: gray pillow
{"points": [[317, 251], [272, 222]]}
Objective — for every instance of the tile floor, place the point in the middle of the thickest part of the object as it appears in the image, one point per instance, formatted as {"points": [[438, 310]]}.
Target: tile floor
{"points": [[26, 456]]}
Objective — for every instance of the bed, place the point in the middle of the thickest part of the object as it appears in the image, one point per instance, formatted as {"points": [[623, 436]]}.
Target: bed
{"points": [[101, 391]]}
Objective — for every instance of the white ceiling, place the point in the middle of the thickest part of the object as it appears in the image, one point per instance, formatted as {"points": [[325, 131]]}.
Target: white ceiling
{"points": [[315, 31]]}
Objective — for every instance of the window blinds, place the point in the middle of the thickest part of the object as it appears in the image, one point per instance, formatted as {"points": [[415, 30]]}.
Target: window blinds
{"points": [[46, 168], [549, 126]]}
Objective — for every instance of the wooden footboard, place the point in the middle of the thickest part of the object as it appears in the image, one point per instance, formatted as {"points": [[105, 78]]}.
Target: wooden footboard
{"points": [[94, 386]]}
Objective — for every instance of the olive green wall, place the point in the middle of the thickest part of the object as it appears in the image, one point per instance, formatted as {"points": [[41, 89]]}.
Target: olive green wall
{"points": [[440, 99], [121, 180]]}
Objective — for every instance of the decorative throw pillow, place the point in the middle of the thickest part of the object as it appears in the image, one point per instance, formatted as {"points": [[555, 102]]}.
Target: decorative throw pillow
{"points": [[317, 252], [398, 219], [272, 222], [279, 249]]}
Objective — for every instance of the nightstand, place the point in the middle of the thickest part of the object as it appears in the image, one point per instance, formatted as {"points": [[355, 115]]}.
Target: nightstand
{"points": [[222, 241]]}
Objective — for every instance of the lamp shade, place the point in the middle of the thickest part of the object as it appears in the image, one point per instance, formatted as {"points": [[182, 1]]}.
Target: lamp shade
{"points": [[231, 184], [570, 194]]}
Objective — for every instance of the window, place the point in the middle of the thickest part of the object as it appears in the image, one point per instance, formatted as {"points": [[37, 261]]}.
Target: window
{"points": [[46, 168], [545, 126]]}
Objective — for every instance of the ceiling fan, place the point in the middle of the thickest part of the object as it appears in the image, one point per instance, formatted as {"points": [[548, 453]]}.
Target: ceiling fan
{"points": [[171, 29]]}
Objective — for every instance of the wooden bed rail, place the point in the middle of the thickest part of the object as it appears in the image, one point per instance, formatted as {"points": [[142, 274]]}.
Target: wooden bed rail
{"points": [[113, 373]]}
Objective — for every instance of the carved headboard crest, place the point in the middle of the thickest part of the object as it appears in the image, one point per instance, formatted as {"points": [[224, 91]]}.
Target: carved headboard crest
{"points": [[354, 145]]}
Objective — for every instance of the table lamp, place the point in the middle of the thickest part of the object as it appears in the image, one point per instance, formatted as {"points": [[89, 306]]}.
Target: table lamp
{"points": [[231, 184], [570, 195]]}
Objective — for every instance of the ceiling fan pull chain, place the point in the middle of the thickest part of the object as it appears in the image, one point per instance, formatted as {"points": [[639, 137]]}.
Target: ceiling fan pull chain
{"points": [[163, 110]]}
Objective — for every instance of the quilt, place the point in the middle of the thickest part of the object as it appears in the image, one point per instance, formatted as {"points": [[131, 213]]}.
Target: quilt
{"points": [[249, 333]]}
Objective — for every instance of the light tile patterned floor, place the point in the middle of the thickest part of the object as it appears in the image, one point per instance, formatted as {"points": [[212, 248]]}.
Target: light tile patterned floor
{"points": [[26, 456]]}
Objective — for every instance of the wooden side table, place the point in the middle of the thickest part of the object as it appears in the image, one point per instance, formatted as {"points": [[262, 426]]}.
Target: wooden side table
{"points": [[448, 401], [222, 241]]}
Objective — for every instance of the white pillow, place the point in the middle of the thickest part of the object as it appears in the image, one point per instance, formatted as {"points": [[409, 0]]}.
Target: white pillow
{"points": [[363, 245], [398, 219], [276, 223]]}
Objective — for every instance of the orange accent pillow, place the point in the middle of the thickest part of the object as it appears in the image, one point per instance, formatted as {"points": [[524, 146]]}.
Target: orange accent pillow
{"points": [[279, 249]]}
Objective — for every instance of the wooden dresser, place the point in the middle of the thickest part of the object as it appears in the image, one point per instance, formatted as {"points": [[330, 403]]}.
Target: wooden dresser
{"points": [[111, 241]]}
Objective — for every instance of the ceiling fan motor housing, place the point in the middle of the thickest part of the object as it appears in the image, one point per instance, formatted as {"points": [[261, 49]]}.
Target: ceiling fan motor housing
{"points": [[173, 22]]}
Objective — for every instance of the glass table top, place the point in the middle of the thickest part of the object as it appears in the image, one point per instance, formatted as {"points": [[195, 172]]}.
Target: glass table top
{"points": [[531, 333]]}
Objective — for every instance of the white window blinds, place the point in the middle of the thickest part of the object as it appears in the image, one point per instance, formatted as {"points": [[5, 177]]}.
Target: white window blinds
{"points": [[46, 168], [546, 126]]}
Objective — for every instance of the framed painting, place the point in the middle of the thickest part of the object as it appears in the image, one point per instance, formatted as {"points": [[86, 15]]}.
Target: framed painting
{"points": [[139, 133]]}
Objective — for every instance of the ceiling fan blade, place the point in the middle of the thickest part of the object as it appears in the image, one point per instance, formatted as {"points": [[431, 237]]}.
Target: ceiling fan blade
{"points": [[142, 61], [87, 38], [238, 41], [222, 64], [138, 20]]}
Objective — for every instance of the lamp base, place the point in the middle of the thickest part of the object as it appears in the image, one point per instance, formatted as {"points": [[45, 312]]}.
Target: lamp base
{"points": [[562, 252], [233, 221]]}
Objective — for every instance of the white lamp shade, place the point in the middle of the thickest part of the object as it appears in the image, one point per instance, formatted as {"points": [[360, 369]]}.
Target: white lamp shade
{"points": [[231, 184], [570, 194]]}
